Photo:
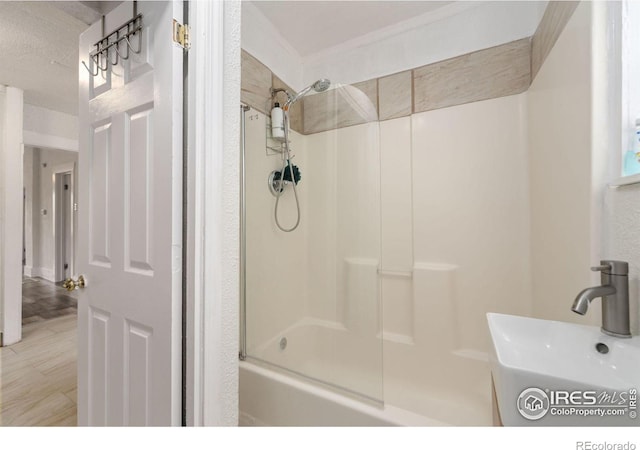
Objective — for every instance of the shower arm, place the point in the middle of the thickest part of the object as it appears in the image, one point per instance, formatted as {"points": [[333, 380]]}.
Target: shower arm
{"points": [[275, 92], [291, 100]]}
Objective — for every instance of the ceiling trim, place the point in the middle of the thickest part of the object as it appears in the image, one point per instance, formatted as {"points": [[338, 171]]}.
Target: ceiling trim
{"points": [[395, 29]]}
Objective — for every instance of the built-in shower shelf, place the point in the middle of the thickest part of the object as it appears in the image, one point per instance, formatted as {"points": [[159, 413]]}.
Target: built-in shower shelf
{"points": [[395, 273]]}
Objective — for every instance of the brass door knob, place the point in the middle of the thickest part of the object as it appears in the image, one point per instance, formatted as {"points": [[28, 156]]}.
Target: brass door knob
{"points": [[70, 284]]}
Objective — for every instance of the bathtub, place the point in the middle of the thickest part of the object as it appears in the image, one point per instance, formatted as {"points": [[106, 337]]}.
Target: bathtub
{"points": [[404, 390], [271, 398]]}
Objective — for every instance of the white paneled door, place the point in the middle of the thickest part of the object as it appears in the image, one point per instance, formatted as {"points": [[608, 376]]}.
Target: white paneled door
{"points": [[130, 222]]}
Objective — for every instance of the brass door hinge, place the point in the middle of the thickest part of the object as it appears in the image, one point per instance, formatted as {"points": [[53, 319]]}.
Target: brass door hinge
{"points": [[181, 35]]}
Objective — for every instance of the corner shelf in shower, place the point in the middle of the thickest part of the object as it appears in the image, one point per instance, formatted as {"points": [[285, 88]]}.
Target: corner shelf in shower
{"points": [[273, 147]]}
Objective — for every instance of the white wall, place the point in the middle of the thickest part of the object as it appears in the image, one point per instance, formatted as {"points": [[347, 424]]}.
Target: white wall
{"points": [[10, 214], [630, 45], [40, 198], [219, 55], [30, 205], [454, 30], [621, 204], [263, 41], [564, 238], [622, 216], [406, 46], [45, 128]]}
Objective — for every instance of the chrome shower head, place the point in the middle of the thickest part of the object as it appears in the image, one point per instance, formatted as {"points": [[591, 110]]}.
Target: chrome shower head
{"points": [[319, 86]]}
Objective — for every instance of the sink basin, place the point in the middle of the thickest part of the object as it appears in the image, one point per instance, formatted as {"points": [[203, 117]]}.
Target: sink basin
{"points": [[555, 373]]}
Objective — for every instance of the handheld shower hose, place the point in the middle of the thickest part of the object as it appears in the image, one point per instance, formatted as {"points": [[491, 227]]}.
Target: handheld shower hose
{"points": [[319, 86], [286, 160]]}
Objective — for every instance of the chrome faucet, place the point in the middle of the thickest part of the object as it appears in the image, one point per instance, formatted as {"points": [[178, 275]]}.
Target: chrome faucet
{"points": [[615, 298]]}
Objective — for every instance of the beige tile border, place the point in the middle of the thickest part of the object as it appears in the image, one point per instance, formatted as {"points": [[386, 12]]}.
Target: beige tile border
{"points": [[342, 107], [553, 22], [482, 75], [395, 95], [506, 69], [256, 82]]}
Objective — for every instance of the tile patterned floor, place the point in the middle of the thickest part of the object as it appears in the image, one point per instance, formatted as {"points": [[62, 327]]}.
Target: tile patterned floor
{"points": [[38, 385], [42, 300]]}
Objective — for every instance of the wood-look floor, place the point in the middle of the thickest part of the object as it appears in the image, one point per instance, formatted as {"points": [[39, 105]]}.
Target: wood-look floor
{"points": [[38, 385]]}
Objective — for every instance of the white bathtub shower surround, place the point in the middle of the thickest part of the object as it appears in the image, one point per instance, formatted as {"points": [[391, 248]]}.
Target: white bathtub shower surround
{"points": [[424, 363], [471, 210], [340, 357], [333, 256], [342, 220], [436, 393], [494, 206], [272, 256], [406, 224], [270, 398]]}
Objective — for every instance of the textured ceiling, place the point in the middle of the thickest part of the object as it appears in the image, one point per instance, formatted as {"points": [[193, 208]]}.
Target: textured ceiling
{"points": [[313, 26], [39, 49]]}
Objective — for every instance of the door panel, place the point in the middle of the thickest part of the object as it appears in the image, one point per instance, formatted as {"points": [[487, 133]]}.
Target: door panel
{"points": [[130, 236], [139, 191], [138, 340], [97, 376], [99, 155]]}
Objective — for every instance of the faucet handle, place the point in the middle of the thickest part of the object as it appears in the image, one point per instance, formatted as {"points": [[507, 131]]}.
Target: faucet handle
{"points": [[612, 267]]}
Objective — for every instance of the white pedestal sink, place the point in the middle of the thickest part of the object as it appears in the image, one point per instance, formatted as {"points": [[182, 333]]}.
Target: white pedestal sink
{"points": [[549, 373]]}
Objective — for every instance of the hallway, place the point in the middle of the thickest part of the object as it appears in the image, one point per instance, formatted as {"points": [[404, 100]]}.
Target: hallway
{"points": [[38, 374]]}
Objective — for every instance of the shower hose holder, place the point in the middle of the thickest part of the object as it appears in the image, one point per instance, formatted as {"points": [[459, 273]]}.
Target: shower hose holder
{"points": [[277, 181]]}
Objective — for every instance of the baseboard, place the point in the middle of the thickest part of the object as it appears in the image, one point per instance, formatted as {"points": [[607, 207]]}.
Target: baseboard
{"points": [[28, 271], [247, 420], [43, 272], [48, 274]]}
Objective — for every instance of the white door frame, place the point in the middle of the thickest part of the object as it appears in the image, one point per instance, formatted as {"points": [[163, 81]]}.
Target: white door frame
{"points": [[58, 238], [213, 221]]}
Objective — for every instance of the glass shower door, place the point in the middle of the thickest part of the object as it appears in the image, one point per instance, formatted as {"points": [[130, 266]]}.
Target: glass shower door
{"points": [[312, 295]]}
